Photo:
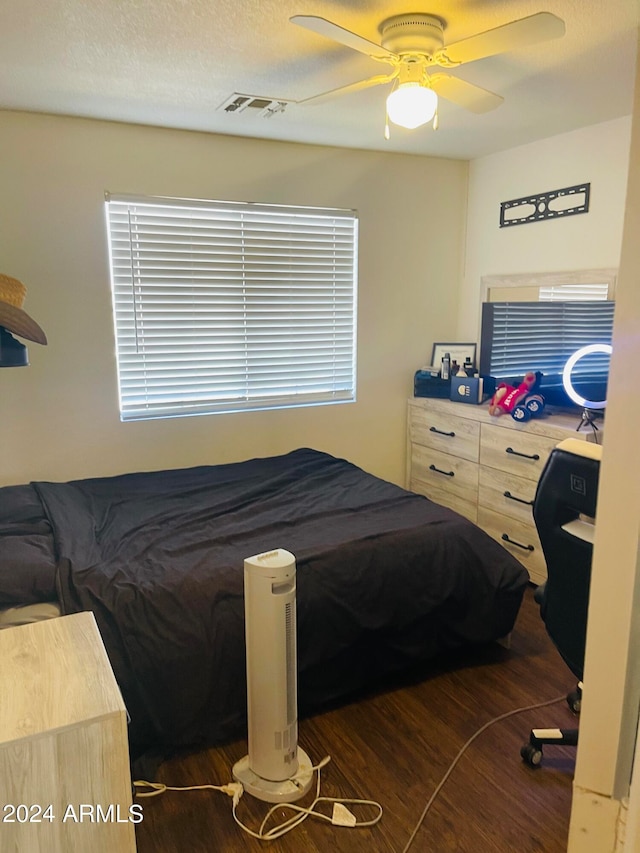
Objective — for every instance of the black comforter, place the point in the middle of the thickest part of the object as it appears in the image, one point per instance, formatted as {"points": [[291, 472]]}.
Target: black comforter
{"points": [[385, 578]]}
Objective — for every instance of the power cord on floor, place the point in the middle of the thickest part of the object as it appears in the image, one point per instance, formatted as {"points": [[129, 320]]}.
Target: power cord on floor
{"points": [[232, 789], [462, 751], [340, 816]]}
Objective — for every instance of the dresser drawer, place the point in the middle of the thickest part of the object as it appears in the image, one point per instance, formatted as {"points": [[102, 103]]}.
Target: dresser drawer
{"points": [[507, 494], [521, 540], [445, 479], [444, 497], [444, 432], [520, 453]]}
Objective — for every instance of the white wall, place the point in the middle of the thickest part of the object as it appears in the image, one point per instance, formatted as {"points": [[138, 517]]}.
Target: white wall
{"points": [[598, 154], [59, 417]]}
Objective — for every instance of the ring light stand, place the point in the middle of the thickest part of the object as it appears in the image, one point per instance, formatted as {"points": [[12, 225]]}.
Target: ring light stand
{"points": [[588, 406], [586, 420]]}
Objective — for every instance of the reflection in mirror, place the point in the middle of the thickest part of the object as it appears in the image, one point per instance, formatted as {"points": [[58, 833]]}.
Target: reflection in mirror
{"points": [[529, 287], [585, 376]]}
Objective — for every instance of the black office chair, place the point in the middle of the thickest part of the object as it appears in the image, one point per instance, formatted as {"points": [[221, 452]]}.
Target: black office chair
{"points": [[564, 510]]}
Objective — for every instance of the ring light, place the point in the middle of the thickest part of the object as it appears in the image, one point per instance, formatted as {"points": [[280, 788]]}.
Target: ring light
{"points": [[568, 368]]}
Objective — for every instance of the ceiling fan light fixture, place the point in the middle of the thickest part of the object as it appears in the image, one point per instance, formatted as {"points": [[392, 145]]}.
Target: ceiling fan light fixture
{"points": [[411, 105]]}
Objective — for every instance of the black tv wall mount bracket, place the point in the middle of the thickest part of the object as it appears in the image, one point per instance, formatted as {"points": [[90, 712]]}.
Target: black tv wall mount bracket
{"points": [[554, 204]]}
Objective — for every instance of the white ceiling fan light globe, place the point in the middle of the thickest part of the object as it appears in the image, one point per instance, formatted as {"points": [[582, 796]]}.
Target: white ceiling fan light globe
{"points": [[411, 105]]}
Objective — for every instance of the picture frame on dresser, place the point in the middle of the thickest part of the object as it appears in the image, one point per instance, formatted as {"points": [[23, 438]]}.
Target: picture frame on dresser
{"points": [[459, 352]]}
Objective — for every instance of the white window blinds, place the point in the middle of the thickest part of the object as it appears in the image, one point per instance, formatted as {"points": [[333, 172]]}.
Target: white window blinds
{"points": [[223, 306], [573, 292]]}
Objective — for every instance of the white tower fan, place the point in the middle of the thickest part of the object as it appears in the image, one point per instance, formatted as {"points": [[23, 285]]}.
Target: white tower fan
{"points": [[275, 770]]}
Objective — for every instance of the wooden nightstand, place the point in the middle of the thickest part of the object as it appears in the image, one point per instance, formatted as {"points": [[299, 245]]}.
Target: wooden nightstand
{"points": [[486, 468], [65, 783]]}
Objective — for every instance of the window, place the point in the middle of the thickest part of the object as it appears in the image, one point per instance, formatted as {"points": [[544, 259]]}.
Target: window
{"points": [[574, 292], [228, 306]]}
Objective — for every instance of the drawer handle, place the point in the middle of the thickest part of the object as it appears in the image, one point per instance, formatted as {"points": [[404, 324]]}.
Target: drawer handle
{"points": [[514, 498], [440, 471], [535, 456], [505, 538], [440, 432]]}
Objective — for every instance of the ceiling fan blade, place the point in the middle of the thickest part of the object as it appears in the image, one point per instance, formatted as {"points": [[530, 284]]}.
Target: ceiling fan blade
{"points": [[346, 37], [351, 87], [536, 28], [464, 94]]}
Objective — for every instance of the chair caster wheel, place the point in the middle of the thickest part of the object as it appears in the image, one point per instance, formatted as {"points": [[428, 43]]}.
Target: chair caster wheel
{"points": [[531, 755], [574, 701]]}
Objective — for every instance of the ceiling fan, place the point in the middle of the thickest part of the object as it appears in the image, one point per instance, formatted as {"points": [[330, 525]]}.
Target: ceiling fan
{"points": [[413, 44]]}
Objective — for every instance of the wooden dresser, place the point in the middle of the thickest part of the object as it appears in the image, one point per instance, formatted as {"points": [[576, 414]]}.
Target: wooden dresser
{"points": [[486, 468], [63, 742]]}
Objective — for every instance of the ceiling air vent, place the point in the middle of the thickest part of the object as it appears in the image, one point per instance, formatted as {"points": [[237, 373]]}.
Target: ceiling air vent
{"points": [[253, 105]]}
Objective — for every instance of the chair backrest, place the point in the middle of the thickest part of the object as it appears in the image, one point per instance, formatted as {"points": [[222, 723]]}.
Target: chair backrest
{"points": [[564, 511]]}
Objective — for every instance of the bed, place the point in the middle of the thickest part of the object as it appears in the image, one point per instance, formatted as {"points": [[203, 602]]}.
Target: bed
{"points": [[386, 579]]}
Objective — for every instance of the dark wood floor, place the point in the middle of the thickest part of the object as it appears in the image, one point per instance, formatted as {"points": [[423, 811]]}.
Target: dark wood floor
{"points": [[394, 746]]}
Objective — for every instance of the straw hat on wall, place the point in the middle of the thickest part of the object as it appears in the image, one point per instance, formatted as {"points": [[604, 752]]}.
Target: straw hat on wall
{"points": [[12, 316]]}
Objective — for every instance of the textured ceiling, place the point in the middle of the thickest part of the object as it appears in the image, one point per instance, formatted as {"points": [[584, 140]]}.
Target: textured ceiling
{"points": [[172, 63]]}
